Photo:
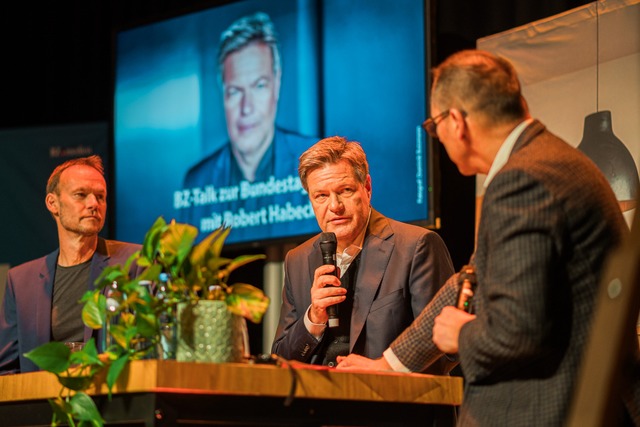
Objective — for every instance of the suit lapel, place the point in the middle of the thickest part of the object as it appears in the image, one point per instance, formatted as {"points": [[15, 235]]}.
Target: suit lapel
{"points": [[374, 259], [528, 134], [42, 307], [99, 261]]}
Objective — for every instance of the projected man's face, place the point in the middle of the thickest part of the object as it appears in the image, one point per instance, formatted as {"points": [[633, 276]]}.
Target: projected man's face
{"points": [[251, 91]]}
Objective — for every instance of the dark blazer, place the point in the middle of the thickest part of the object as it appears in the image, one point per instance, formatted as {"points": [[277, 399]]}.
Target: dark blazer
{"points": [[25, 315], [549, 219], [401, 268]]}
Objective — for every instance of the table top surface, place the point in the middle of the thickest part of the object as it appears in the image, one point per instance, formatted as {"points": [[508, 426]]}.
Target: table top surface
{"points": [[305, 381]]}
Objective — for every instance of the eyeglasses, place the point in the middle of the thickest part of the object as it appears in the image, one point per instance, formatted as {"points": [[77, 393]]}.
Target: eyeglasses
{"points": [[430, 125]]}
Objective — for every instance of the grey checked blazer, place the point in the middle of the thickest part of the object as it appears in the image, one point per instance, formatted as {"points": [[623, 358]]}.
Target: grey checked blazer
{"points": [[549, 218]]}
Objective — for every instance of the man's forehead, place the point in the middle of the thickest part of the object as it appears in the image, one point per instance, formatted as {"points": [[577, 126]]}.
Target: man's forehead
{"points": [[79, 175], [255, 58], [333, 174]]}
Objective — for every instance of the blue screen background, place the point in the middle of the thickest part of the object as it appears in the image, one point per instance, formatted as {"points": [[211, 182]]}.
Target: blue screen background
{"points": [[351, 68]]}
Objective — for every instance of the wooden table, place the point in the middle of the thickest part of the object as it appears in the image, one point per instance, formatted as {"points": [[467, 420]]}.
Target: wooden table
{"points": [[169, 393]]}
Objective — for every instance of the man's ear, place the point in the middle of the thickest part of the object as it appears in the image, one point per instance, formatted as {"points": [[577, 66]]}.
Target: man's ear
{"points": [[51, 200], [277, 80], [461, 129], [367, 186]]}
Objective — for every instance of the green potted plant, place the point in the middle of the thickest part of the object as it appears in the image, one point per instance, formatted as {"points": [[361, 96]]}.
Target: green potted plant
{"points": [[134, 312], [195, 292]]}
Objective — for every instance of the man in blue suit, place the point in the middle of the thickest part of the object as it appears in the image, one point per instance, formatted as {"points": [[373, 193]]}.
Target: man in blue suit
{"points": [[251, 182], [41, 298], [387, 270]]}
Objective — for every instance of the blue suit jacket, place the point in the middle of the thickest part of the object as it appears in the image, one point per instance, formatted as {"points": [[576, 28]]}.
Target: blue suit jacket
{"points": [[401, 268], [25, 315], [219, 170]]}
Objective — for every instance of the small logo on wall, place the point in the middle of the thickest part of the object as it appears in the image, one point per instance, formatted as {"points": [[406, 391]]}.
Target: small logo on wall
{"points": [[79, 151]]}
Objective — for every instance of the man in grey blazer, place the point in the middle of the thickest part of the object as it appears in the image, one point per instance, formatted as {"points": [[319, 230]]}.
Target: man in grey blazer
{"points": [[549, 218], [41, 298], [388, 270]]}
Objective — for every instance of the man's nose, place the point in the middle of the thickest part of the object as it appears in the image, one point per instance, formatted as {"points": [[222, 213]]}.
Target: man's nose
{"points": [[246, 106], [92, 201], [335, 202]]}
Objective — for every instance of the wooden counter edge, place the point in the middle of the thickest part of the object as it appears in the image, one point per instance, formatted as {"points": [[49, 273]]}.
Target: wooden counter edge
{"points": [[256, 380]]}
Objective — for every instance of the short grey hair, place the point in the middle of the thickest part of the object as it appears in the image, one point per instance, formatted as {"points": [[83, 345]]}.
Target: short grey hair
{"points": [[330, 151], [480, 83], [257, 27]]}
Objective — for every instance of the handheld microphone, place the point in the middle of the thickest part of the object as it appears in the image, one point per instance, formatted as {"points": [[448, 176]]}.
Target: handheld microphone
{"points": [[468, 282], [328, 246]]}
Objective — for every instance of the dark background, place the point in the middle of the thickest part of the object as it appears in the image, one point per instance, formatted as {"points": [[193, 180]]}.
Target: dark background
{"points": [[57, 69]]}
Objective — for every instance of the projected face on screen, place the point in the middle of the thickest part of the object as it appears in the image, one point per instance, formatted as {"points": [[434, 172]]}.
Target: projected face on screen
{"points": [[251, 89], [213, 109], [251, 182]]}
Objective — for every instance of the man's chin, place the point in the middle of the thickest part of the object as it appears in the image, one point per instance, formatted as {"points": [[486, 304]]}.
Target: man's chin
{"points": [[89, 231], [341, 232], [247, 145]]}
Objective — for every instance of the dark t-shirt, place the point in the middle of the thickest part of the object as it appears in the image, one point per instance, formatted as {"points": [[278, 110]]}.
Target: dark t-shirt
{"points": [[69, 286]]}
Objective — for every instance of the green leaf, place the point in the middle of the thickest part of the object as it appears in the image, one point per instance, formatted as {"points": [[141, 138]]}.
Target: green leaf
{"points": [[61, 411], [176, 243], [94, 311], [151, 239], [119, 334], [147, 324], [84, 409], [152, 272], [247, 301], [112, 273], [76, 383], [90, 347], [51, 357], [132, 258], [218, 241], [242, 260], [130, 334], [215, 264], [209, 247], [115, 370], [87, 356], [127, 319]]}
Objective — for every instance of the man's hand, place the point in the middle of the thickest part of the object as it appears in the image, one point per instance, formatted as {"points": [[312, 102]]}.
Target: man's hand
{"points": [[446, 328], [325, 291], [356, 362]]}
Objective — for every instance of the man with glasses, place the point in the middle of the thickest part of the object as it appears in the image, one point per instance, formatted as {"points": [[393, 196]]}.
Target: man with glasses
{"points": [[548, 221]]}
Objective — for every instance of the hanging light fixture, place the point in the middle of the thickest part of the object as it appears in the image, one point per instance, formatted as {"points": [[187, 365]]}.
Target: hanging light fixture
{"points": [[606, 150]]}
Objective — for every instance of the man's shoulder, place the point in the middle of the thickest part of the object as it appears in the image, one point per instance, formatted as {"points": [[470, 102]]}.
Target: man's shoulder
{"points": [[386, 227], [548, 158], [118, 246], [405, 232], [293, 137], [213, 161], [409, 228], [296, 143], [31, 265], [538, 145], [304, 248]]}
